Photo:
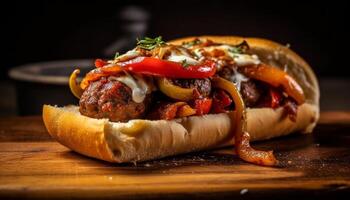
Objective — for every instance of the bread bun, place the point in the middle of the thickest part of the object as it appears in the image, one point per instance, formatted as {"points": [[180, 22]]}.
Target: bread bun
{"points": [[139, 140]]}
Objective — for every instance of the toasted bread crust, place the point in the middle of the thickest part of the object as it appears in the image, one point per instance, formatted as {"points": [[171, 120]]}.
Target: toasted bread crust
{"points": [[139, 140]]}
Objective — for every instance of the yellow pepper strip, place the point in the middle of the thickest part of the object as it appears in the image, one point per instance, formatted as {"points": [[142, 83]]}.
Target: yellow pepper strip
{"points": [[185, 111], [74, 86], [173, 91], [277, 78], [243, 148]]}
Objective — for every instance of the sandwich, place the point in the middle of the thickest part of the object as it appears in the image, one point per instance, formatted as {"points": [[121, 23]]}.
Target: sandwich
{"points": [[191, 94]]}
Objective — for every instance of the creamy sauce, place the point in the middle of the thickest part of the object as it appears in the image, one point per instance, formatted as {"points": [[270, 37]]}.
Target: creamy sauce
{"points": [[198, 53], [237, 78], [180, 55], [131, 53], [245, 59], [128, 55], [240, 59], [222, 47], [182, 58], [137, 85]]}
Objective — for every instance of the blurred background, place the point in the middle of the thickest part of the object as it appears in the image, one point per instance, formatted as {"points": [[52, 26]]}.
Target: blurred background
{"points": [[42, 41]]}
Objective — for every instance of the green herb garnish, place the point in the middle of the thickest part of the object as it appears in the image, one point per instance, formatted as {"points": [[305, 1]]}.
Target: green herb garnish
{"points": [[150, 43], [235, 50], [240, 48], [117, 54], [192, 43], [184, 63]]}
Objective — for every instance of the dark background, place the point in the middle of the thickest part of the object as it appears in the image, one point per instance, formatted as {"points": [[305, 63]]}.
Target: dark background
{"points": [[34, 31], [49, 30]]}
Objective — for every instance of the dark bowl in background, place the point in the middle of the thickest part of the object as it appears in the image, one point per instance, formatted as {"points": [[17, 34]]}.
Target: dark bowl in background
{"points": [[45, 83]]}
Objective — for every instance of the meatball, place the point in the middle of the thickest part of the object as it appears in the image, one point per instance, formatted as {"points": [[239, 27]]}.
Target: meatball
{"points": [[226, 73], [249, 90], [111, 99], [250, 93], [291, 109], [202, 85]]}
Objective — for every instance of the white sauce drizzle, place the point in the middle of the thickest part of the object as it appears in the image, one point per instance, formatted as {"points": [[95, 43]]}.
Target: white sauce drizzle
{"points": [[198, 53], [131, 53], [240, 59], [222, 47], [138, 86], [181, 58], [237, 78], [128, 55], [245, 59]]}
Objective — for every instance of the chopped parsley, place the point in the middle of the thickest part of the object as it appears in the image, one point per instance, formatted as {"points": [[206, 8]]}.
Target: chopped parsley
{"points": [[192, 43], [240, 48], [150, 43], [184, 63], [235, 50], [117, 54]]}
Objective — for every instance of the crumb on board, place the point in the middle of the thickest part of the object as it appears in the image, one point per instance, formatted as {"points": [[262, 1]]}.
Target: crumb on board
{"points": [[243, 191]]}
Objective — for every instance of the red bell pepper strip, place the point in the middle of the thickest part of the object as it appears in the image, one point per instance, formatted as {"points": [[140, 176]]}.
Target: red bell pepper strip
{"points": [[221, 100], [202, 106], [169, 69], [275, 98], [272, 99], [150, 66], [100, 63]]}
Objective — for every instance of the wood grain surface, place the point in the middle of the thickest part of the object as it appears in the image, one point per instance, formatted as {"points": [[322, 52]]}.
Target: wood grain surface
{"points": [[32, 165]]}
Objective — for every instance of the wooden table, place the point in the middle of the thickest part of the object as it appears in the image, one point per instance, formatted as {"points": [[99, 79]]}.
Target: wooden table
{"points": [[32, 165]]}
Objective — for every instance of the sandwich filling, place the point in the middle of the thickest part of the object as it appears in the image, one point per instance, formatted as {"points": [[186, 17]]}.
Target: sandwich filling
{"points": [[157, 80]]}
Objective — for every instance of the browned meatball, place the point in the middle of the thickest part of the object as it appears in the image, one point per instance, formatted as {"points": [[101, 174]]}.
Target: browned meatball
{"points": [[111, 99], [226, 73], [202, 85], [249, 90], [250, 93], [291, 109]]}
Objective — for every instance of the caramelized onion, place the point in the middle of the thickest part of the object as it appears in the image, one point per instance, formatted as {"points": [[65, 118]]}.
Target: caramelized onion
{"points": [[74, 86], [96, 74], [169, 111], [243, 148], [185, 111], [174, 91]]}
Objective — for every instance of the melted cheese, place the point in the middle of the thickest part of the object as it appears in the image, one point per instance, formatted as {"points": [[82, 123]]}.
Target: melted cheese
{"points": [[132, 53], [198, 53], [245, 59], [138, 86], [180, 55], [237, 78], [240, 59], [128, 55], [182, 58], [223, 47]]}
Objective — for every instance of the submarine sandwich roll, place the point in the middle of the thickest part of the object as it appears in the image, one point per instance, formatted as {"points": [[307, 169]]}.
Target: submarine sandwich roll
{"points": [[190, 94]]}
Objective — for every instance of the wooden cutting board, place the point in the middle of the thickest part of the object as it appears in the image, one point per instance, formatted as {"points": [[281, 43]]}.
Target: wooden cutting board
{"points": [[32, 165]]}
